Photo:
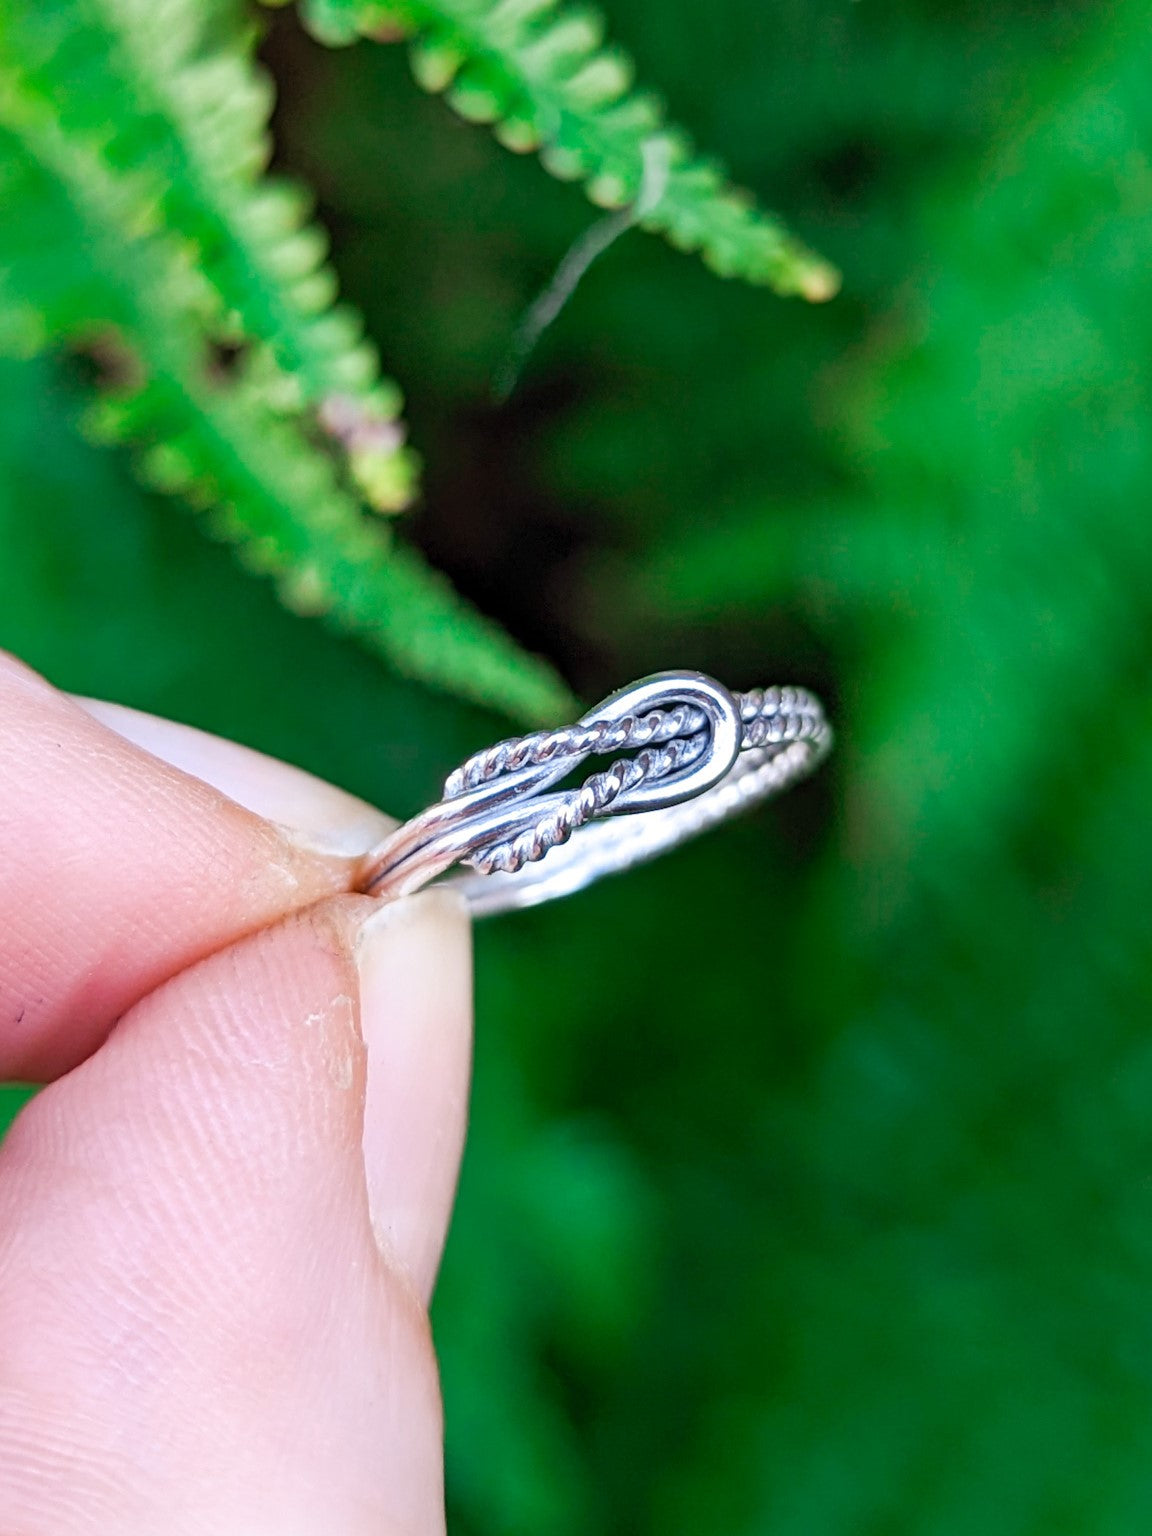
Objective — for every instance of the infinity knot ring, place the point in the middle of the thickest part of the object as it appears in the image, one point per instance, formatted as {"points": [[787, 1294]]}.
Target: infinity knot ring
{"points": [[693, 755]]}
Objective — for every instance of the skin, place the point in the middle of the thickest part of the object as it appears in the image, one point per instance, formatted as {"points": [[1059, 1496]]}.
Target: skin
{"points": [[220, 1222]]}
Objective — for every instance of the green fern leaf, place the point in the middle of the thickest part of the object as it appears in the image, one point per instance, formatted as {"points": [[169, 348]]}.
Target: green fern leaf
{"points": [[540, 75], [89, 256], [197, 154]]}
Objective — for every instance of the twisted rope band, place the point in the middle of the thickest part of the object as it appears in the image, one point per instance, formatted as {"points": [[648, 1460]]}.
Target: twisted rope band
{"points": [[700, 754]]}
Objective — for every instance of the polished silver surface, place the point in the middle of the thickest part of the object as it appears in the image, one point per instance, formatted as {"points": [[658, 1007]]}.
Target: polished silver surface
{"points": [[697, 754]]}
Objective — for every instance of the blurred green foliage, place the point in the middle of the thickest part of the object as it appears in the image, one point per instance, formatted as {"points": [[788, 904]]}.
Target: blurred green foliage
{"points": [[809, 1190], [142, 233]]}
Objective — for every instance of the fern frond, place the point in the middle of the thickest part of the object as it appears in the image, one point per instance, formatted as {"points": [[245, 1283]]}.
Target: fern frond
{"points": [[89, 262], [537, 71], [196, 158]]}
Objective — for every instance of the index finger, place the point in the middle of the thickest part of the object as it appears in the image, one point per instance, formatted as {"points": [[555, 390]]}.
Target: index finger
{"points": [[118, 868]]}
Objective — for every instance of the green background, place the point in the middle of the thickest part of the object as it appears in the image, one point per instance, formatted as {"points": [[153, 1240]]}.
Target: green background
{"points": [[809, 1189]]}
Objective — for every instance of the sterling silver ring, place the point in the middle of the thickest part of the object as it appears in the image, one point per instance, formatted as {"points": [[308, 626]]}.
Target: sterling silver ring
{"points": [[700, 754]]}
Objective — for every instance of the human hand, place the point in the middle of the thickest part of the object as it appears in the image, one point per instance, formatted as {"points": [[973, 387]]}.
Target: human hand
{"points": [[220, 1223]]}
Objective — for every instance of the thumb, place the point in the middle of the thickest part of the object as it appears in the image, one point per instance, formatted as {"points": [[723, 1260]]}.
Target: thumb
{"points": [[218, 1236]]}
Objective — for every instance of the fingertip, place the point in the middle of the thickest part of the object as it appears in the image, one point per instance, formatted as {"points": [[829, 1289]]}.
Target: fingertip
{"points": [[14, 670], [188, 1276], [414, 959], [314, 814], [134, 848]]}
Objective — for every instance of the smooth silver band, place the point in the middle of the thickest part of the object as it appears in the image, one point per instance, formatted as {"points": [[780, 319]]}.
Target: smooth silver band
{"points": [[698, 755]]}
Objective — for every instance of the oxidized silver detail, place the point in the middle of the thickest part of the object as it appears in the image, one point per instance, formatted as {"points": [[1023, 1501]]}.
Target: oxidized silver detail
{"points": [[700, 755]]}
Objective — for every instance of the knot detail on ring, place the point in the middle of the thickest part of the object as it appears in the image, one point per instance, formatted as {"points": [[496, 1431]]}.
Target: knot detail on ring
{"points": [[690, 754], [594, 738], [668, 735]]}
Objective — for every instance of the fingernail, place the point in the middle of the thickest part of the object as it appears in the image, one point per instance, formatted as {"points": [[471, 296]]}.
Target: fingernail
{"points": [[415, 962], [313, 814]]}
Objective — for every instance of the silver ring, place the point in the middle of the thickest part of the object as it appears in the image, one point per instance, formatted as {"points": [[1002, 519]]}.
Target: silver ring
{"points": [[700, 754]]}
